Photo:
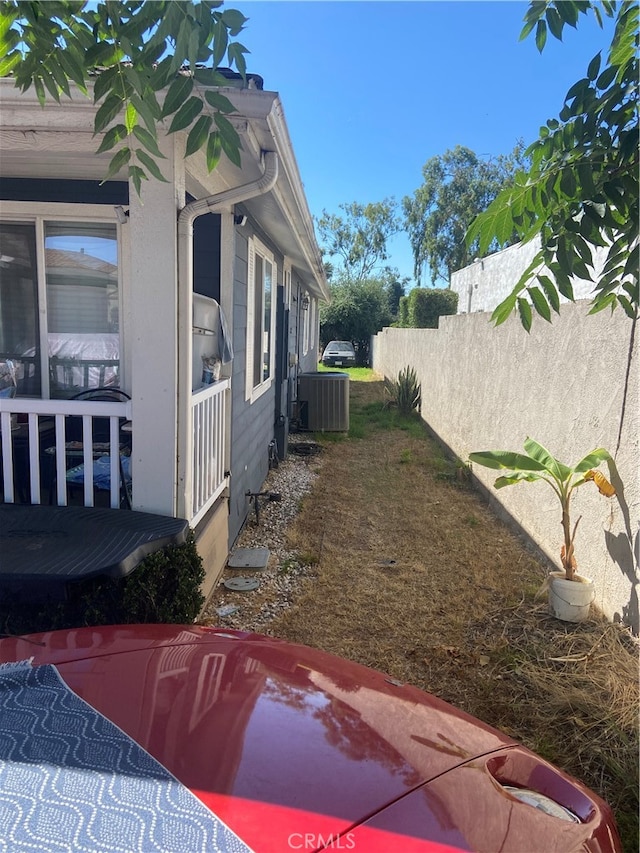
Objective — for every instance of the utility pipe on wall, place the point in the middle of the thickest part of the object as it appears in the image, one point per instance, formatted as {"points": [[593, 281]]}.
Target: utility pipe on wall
{"points": [[209, 204]]}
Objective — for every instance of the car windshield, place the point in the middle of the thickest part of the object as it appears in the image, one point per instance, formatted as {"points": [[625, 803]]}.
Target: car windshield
{"points": [[341, 346]]}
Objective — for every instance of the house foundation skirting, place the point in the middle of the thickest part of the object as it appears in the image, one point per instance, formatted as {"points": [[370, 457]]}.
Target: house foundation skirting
{"points": [[212, 542]]}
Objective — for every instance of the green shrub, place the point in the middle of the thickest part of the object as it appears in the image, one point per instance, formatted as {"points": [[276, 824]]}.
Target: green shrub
{"points": [[403, 312], [165, 587], [426, 305], [406, 391]]}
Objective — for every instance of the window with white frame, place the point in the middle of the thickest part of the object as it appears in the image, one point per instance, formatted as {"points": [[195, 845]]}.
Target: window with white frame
{"points": [[59, 304], [261, 319]]}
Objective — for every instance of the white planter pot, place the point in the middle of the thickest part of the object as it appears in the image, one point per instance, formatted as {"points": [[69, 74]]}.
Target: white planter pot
{"points": [[570, 600]]}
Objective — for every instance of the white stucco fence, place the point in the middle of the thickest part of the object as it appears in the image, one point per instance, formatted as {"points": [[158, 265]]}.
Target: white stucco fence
{"points": [[486, 282], [564, 385]]}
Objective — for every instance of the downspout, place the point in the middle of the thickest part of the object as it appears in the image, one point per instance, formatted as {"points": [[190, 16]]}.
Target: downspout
{"points": [[209, 204]]}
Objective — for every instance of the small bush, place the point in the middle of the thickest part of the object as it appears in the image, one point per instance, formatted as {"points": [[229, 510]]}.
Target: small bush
{"points": [[406, 391], [164, 588], [424, 305]]}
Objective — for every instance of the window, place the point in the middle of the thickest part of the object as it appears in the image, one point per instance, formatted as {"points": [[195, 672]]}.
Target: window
{"points": [[260, 320], [60, 305]]}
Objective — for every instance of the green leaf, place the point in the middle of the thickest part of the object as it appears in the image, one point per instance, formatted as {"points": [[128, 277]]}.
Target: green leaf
{"points": [[607, 77], [541, 35], [148, 110], [219, 102], [558, 471], [526, 30], [198, 134], [513, 479], [214, 150], [118, 161], [506, 459], [103, 83], [137, 176], [592, 460], [220, 43], [236, 56], [210, 77], [232, 151], [227, 129], [130, 117], [555, 23], [186, 114], [72, 68], [568, 12], [540, 303], [502, 311], [150, 164], [234, 20], [524, 310], [9, 62], [628, 307], [108, 111], [178, 92], [599, 304], [148, 140], [568, 181], [102, 54], [111, 138], [594, 67], [550, 292]]}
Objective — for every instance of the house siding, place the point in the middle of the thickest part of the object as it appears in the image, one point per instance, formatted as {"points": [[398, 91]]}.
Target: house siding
{"points": [[252, 424]]}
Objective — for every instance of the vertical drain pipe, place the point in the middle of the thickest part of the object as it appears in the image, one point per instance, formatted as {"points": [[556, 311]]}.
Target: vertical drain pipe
{"points": [[209, 204]]}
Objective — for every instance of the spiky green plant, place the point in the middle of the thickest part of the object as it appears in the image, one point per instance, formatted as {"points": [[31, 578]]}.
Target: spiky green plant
{"points": [[406, 391]]}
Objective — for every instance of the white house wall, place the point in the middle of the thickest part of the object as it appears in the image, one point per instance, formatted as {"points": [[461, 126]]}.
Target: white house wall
{"points": [[485, 283], [564, 385]]}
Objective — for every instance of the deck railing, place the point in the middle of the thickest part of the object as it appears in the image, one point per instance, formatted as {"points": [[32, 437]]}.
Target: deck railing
{"points": [[35, 449], [209, 410]]}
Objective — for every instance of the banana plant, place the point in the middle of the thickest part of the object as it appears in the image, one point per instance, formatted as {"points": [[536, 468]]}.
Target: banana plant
{"points": [[539, 464]]}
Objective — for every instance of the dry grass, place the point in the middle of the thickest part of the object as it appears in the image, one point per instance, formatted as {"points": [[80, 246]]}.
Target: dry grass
{"points": [[415, 576]]}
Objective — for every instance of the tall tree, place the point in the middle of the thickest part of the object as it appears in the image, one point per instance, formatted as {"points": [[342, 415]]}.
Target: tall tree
{"points": [[358, 309], [456, 186], [359, 236], [581, 190], [152, 63]]}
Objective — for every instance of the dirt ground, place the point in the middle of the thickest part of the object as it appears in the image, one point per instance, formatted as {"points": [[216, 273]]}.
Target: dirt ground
{"points": [[413, 574]]}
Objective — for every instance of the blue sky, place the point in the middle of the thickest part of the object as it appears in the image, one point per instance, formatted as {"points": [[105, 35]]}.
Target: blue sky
{"points": [[371, 90]]}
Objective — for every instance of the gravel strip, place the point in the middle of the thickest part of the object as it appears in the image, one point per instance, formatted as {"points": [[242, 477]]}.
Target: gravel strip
{"points": [[285, 573]]}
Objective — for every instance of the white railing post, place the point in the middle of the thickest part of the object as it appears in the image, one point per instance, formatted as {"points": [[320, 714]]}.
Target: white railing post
{"points": [[58, 411], [209, 406]]}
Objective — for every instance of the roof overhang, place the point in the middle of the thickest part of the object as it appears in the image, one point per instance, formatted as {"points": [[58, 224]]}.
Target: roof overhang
{"points": [[58, 141]]}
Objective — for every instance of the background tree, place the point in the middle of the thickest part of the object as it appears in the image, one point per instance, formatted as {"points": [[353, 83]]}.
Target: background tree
{"points": [[423, 307], [456, 186], [358, 237], [581, 190], [151, 62], [358, 309]]}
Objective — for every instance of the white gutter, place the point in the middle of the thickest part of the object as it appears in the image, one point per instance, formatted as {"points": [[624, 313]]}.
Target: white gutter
{"points": [[210, 204]]}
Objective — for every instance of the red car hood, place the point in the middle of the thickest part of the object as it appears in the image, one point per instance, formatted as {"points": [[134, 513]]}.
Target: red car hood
{"points": [[268, 734]]}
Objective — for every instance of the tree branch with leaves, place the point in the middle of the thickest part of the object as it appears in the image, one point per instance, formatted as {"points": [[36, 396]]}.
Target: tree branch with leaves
{"points": [[581, 191], [152, 64]]}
